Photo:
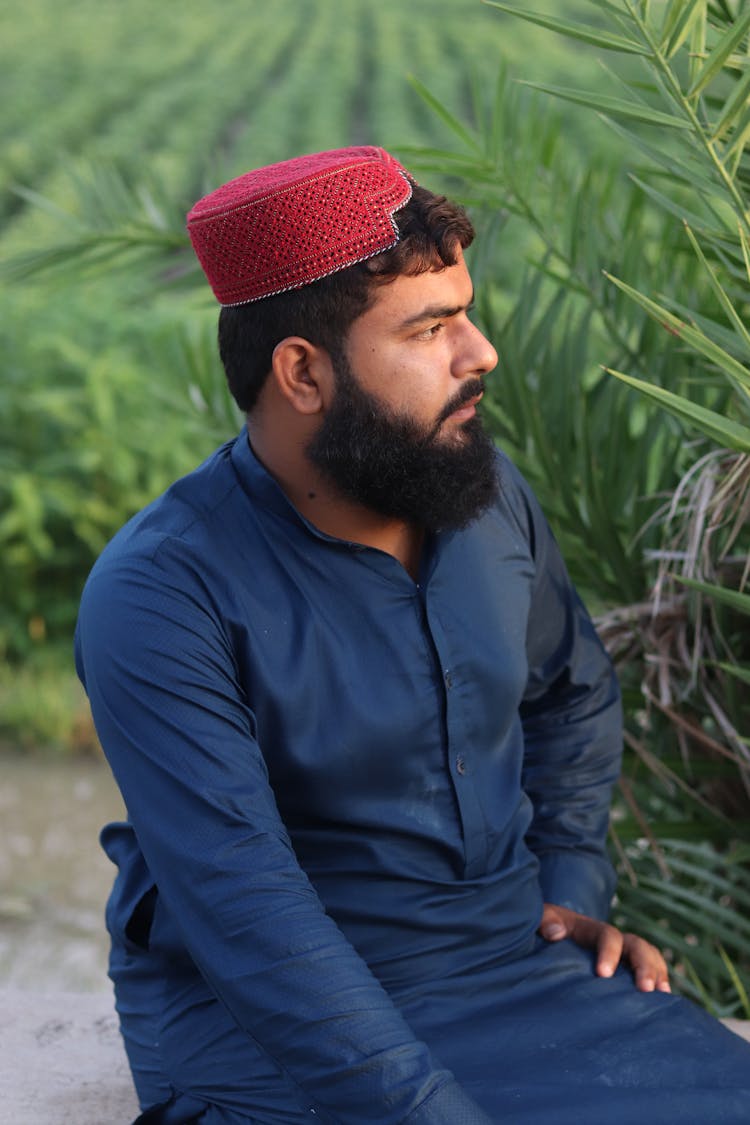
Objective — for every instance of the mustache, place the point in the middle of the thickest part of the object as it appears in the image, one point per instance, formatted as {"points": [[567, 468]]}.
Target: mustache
{"points": [[468, 391]]}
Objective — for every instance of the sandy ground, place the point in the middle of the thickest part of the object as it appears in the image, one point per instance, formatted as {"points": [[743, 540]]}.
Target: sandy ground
{"points": [[54, 878], [61, 1056], [62, 1061]]}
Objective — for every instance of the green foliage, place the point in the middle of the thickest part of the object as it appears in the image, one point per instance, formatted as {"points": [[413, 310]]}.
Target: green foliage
{"points": [[705, 96], [600, 461], [118, 222], [115, 120], [694, 902], [43, 706], [84, 443]]}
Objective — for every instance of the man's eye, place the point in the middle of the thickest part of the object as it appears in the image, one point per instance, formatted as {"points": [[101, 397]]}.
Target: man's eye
{"points": [[428, 333]]}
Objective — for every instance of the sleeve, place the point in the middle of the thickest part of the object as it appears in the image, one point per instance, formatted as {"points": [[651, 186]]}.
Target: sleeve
{"points": [[180, 738], [572, 721]]}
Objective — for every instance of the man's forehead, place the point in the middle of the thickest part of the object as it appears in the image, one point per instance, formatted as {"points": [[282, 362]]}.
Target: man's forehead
{"points": [[407, 299]]}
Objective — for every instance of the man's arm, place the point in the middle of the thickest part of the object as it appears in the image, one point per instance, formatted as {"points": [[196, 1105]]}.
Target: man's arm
{"points": [[573, 733], [180, 738]]}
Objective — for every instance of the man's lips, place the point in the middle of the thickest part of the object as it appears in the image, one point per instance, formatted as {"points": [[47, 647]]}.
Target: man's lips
{"points": [[467, 409], [463, 407]]}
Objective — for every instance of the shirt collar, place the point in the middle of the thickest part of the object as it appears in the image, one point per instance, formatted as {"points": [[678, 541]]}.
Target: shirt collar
{"points": [[261, 487]]}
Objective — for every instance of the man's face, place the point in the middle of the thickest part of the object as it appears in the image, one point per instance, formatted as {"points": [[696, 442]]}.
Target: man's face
{"points": [[401, 436]]}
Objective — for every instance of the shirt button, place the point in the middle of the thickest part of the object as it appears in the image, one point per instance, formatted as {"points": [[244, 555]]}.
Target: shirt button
{"points": [[461, 765], [448, 680]]}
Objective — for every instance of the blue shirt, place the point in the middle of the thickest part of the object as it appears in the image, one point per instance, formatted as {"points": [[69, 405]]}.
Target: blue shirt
{"points": [[347, 785]]}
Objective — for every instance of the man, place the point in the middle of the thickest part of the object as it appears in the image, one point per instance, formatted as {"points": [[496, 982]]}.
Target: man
{"points": [[364, 729]]}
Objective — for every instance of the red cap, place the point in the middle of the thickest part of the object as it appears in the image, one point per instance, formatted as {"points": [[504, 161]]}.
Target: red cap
{"points": [[284, 226]]}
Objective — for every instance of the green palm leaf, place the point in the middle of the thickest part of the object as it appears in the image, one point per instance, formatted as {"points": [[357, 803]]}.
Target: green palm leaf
{"points": [[733, 316], [732, 598], [577, 31], [729, 41], [614, 107], [736, 671], [734, 106], [678, 20], [448, 118], [692, 336], [722, 430]]}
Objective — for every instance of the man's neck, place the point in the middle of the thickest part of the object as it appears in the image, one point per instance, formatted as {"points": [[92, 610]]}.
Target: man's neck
{"points": [[320, 502]]}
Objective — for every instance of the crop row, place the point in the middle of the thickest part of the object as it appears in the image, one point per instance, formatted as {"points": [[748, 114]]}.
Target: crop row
{"points": [[209, 94]]}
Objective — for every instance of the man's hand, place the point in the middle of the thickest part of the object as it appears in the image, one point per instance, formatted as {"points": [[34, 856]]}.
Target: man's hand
{"points": [[612, 946]]}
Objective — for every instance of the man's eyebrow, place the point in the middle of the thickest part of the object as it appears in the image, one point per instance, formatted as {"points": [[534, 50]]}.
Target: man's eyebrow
{"points": [[436, 312]]}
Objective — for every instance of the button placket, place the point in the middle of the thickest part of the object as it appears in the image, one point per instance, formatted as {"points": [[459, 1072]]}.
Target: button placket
{"points": [[458, 761]]}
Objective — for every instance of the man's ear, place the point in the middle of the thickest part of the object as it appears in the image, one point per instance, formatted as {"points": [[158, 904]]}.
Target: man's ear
{"points": [[303, 374]]}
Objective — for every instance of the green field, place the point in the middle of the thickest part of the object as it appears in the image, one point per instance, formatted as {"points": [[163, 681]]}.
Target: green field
{"points": [[199, 92]]}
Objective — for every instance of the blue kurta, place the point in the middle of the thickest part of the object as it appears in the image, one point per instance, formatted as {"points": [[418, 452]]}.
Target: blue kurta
{"points": [[349, 794]]}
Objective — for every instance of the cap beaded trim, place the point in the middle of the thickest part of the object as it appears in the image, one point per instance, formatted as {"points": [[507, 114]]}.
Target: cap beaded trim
{"points": [[285, 226]]}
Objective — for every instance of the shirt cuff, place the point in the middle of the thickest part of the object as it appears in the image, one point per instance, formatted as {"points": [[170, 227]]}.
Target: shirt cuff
{"points": [[581, 882]]}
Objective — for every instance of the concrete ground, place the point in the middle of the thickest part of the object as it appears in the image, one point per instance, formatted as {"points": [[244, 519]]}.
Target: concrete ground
{"points": [[62, 1061], [61, 1055]]}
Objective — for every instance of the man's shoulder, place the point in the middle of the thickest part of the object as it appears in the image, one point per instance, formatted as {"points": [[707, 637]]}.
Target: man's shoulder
{"points": [[184, 511], [516, 503], [191, 519]]}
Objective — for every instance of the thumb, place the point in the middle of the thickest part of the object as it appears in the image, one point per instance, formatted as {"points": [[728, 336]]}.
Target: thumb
{"points": [[552, 926]]}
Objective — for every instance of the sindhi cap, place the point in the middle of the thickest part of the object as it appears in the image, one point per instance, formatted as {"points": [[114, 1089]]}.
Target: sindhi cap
{"points": [[289, 224]]}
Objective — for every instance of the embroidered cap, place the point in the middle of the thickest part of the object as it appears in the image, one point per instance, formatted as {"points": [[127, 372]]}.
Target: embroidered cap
{"points": [[289, 224]]}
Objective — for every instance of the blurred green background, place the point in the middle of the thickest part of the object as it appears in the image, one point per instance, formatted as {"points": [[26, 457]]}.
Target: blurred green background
{"points": [[111, 109]]}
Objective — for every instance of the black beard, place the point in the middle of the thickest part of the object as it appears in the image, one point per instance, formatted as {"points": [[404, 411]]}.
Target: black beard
{"points": [[392, 466]]}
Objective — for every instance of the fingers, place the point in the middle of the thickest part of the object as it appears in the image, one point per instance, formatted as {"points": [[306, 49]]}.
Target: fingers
{"points": [[648, 965], [555, 923], [609, 947], [610, 944], [606, 940]]}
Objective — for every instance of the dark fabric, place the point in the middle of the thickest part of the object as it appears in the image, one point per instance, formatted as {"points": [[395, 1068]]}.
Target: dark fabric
{"points": [[179, 1110], [353, 793]]}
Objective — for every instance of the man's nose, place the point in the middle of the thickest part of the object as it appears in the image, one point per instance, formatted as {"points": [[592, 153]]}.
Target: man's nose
{"points": [[481, 357]]}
